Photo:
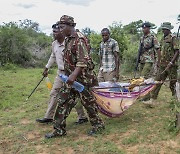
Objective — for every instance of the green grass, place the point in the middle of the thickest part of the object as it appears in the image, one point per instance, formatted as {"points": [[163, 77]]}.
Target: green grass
{"points": [[140, 130]]}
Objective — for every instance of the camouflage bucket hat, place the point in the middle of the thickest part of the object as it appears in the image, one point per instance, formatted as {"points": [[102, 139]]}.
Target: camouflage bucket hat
{"points": [[166, 25], [68, 20]]}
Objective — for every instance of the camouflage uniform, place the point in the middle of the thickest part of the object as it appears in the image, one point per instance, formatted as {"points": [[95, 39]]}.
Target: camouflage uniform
{"points": [[168, 46], [178, 70], [178, 82], [76, 55], [148, 59]]}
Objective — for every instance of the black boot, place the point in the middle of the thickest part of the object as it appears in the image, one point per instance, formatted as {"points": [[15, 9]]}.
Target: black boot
{"points": [[95, 131], [81, 121], [44, 120]]}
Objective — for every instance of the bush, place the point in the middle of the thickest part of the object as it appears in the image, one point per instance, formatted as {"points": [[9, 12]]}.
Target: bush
{"points": [[118, 34], [9, 66], [23, 44], [13, 45], [129, 58]]}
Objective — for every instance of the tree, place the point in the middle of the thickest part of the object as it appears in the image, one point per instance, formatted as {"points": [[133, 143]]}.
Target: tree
{"points": [[22, 43], [133, 28], [95, 40], [13, 44], [87, 31], [29, 24], [118, 34]]}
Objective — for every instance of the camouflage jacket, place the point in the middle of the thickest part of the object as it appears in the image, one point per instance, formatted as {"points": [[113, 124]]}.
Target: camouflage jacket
{"points": [[179, 69], [169, 44], [76, 55], [149, 46]]}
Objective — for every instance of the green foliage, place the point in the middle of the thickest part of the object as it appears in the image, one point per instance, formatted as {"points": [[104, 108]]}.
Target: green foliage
{"points": [[13, 45], [175, 109], [95, 40], [87, 31], [118, 34], [129, 57], [133, 28], [20, 41], [9, 66]]}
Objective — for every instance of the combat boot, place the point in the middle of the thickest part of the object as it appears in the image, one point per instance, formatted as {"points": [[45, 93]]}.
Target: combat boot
{"points": [[94, 131], [54, 134]]}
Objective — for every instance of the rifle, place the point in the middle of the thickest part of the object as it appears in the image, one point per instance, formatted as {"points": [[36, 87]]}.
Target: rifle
{"points": [[140, 52]]}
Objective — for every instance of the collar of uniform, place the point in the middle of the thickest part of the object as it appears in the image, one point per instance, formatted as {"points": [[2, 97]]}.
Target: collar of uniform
{"points": [[145, 36], [60, 44], [73, 35], [168, 36]]}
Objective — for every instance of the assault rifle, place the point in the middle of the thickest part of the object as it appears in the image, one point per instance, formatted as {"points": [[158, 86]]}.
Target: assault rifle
{"points": [[140, 52]]}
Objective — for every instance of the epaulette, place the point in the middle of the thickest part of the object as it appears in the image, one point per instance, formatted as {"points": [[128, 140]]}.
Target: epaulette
{"points": [[80, 35], [172, 35]]}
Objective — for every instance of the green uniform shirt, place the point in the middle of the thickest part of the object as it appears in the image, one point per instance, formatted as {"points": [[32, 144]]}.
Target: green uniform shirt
{"points": [[76, 55], [169, 44], [150, 45]]}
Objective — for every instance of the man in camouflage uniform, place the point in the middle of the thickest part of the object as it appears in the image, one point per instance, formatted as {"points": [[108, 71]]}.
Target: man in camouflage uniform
{"points": [[78, 66], [149, 46], [168, 65], [178, 82]]}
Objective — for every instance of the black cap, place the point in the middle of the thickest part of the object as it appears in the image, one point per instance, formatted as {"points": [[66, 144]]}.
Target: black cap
{"points": [[146, 24], [55, 26]]}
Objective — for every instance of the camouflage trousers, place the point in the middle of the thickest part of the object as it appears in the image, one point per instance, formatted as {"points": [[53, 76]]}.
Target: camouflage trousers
{"points": [[172, 74], [146, 69], [65, 104], [178, 83]]}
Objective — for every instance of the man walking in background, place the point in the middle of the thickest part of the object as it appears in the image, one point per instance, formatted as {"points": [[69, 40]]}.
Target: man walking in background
{"points": [[57, 56], [149, 49], [109, 58], [168, 66], [178, 82]]}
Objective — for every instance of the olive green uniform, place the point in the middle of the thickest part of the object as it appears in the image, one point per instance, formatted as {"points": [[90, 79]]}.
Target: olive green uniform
{"points": [[169, 44], [150, 45]]}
